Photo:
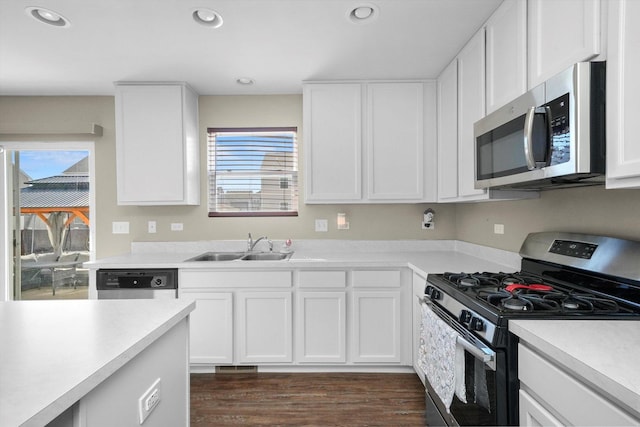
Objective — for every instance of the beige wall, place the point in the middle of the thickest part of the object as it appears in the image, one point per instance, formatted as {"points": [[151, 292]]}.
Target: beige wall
{"points": [[586, 210], [592, 210], [366, 221]]}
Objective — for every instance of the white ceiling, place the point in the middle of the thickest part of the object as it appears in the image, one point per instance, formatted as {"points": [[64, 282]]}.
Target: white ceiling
{"points": [[278, 43]]}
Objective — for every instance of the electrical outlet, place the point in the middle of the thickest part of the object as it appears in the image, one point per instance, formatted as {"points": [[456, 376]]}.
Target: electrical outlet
{"points": [[322, 225], [151, 226], [498, 228], [149, 400], [428, 225], [177, 226]]}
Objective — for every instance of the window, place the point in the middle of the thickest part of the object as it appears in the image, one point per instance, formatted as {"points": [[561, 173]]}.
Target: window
{"points": [[252, 171]]}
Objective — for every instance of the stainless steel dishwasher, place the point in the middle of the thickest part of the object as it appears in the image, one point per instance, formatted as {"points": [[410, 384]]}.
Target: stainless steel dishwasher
{"points": [[140, 283]]}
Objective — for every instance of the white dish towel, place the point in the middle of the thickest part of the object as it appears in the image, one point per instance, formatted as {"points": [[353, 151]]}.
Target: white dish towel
{"points": [[441, 357]]}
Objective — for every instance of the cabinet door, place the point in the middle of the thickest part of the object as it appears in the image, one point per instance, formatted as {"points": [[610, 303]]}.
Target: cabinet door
{"points": [[561, 33], [264, 331], [376, 323], [210, 327], [156, 145], [395, 142], [418, 292], [333, 142], [471, 103], [533, 414], [623, 87], [321, 327], [447, 111], [506, 54]]}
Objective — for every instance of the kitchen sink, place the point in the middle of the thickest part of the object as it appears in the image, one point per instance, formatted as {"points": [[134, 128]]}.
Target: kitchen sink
{"points": [[217, 256], [244, 256], [265, 256]]}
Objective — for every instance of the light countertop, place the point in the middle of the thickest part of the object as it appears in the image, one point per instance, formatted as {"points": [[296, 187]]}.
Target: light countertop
{"points": [[422, 256], [55, 352], [602, 353]]}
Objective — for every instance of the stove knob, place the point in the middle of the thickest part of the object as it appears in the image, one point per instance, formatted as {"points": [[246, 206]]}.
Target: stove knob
{"points": [[465, 316], [476, 324], [435, 294]]}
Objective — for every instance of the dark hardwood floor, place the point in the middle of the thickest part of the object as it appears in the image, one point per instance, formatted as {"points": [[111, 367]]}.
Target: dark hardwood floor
{"points": [[314, 399]]}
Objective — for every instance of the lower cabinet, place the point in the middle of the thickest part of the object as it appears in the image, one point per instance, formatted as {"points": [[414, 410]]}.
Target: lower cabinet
{"points": [[552, 395], [265, 327], [211, 327], [418, 292], [299, 317], [376, 326], [321, 327]]}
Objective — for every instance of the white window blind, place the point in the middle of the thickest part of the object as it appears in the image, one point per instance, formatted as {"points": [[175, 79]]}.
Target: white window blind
{"points": [[253, 172]]}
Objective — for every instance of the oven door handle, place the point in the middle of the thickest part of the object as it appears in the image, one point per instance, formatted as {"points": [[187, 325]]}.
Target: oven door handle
{"points": [[485, 354]]}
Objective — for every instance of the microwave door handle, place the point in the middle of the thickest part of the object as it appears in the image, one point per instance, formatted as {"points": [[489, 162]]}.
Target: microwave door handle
{"points": [[547, 112], [528, 138]]}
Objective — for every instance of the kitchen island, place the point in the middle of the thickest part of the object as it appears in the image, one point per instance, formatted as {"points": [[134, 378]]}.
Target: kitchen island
{"points": [[89, 362]]}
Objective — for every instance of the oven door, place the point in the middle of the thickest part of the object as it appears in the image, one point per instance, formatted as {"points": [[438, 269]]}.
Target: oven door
{"points": [[485, 383]]}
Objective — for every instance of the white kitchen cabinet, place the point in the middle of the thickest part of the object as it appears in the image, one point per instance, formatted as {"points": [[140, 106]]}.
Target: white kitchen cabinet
{"points": [[533, 414], [561, 33], [265, 327], [210, 327], [552, 395], [396, 144], [333, 142], [623, 89], [321, 327], [419, 283], [506, 54], [157, 150], [447, 108], [307, 317], [471, 108], [369, 142], [376, 322]]}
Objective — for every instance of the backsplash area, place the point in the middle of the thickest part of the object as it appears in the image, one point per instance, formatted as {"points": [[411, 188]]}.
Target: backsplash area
{"points": [[591, 210]]}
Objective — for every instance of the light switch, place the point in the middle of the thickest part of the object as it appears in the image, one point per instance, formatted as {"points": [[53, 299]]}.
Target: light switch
{"points": [[322, 225], [120, 227]]}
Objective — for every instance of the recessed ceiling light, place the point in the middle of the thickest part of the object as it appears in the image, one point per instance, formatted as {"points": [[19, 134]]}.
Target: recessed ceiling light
{"points": [[47, 16], [207, 17], [245, 81], [363, 13]]}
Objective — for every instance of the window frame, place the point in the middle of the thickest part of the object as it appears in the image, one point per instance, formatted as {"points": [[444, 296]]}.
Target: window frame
{"points": [[247, 214]]}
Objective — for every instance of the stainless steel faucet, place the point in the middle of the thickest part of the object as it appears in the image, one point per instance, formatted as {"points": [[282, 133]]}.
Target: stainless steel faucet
{"points": [[252, 244]]}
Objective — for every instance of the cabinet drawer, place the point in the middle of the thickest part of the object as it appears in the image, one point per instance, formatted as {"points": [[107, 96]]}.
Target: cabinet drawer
{"points": [[376, 278], [577, 403], [235, 279], [322, 279]]}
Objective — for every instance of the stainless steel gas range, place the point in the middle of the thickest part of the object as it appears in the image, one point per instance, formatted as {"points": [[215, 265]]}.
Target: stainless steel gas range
{"points": [[562, 276]]}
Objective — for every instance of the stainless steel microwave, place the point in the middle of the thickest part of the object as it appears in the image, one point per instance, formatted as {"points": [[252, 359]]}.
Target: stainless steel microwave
{"points": [[551, 137]]}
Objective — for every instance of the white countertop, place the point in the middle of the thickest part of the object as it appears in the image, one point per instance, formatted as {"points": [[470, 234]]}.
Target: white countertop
{"points": [[424, 256], [55, 352], [602, 353]]}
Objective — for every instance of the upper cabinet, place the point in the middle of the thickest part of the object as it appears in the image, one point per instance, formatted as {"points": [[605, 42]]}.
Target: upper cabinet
{"points": [[447, 108], [623, 88], [506, 54], [369, 142], [471, 103], [157, 151], [561, 33], [333, 142]]}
